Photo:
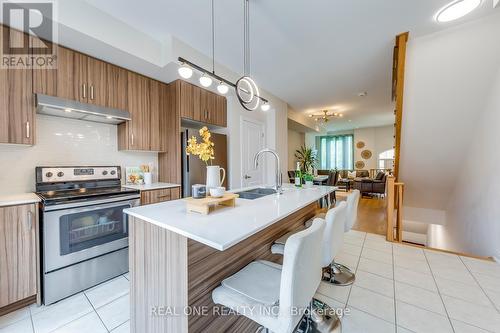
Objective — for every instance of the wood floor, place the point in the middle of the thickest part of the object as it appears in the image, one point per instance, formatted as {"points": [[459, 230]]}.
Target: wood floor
{"points": [[372, 214]]}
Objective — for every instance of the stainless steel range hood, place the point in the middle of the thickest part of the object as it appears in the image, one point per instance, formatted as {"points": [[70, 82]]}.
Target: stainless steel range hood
{"points": [[59, 107]]}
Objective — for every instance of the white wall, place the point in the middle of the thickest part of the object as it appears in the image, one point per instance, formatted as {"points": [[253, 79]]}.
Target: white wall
{"points": [[377, 140], [295, 141], [450, 134], [474, 208], [448, 78], [61, 141]]}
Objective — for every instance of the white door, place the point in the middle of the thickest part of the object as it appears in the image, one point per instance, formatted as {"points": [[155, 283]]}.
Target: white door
{"points": [[252, 141]]}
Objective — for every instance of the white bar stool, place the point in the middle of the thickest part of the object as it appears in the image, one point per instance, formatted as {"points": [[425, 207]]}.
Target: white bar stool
{"points": [[343, 275], [269, 295], [333, 240]]}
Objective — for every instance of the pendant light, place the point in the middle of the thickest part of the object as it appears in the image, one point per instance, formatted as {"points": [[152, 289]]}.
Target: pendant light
{"points": [[185, 71], [205, 80], [222, 88], [246, 89], [265, 106]]}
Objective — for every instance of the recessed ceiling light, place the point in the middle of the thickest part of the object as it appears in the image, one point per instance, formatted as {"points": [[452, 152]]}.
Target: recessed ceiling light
{"points": [[456, 10]]}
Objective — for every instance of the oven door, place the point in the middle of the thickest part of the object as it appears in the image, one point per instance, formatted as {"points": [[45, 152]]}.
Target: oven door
{"points": [[75, 234]]}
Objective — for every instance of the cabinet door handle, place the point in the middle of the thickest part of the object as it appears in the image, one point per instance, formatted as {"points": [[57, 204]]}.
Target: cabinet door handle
{"points": [[28, 129], [30, 220], [132, 139], [84, 90], [92, 91], [163, 196]]}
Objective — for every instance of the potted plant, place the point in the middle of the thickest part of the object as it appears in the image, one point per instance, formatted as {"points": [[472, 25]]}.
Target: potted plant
{"points": [[205, 150], [308, 180], [307, 158]]}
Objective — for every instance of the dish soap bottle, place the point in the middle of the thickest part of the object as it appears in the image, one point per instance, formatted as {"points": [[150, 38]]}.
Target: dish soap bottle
{"points": [[298, 176]]}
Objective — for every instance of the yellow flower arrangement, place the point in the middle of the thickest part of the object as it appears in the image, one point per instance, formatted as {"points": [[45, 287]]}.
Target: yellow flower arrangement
{"points": [[205, 149]]}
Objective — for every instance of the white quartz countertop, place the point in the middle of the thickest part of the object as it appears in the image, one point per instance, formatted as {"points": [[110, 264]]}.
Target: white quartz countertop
{"points": [[18, 199], [150, 187], [228, 226]]}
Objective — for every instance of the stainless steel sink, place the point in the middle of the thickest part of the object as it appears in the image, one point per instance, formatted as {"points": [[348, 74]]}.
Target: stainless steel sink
{"points": [[256, 193]]}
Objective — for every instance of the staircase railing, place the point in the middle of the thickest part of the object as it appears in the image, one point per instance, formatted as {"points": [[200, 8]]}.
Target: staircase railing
{"points": [[395, 196]]}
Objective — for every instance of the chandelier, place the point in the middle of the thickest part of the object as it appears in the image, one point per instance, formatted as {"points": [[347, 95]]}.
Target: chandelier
{"points": [[325, 116], [245, 87]]}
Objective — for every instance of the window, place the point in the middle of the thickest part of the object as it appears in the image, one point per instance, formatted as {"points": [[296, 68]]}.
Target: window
{"points": [[336, 152], [386, 159]]}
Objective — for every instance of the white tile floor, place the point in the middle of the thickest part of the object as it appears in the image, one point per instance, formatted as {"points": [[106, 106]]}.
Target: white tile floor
{"points": [[398, 289]]}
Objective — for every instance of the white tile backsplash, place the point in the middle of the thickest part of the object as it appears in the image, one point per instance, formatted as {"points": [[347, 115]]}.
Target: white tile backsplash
{"points": [[62, 141]]}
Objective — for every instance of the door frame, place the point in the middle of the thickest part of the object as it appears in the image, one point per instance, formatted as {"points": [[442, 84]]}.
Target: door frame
{"points": [[264, 163]]}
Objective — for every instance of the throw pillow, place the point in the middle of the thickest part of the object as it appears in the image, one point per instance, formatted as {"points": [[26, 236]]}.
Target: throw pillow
{"points": [[351, 174], [380, 175]]}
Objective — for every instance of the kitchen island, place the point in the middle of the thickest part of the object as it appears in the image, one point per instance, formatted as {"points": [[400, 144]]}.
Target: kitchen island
{"points": [[178, 258]]}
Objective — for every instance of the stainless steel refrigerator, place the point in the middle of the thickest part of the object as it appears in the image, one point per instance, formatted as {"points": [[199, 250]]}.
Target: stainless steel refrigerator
{"points": [[194, 170]]}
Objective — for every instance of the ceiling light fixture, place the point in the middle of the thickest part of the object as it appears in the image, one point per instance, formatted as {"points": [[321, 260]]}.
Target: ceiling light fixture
{"points": [[185, 71], [325, 116], [222, 88], [265, 107], [205, 80], [456, 10], [246, 89]]}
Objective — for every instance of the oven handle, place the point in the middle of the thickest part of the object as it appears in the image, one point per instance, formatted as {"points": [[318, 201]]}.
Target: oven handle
{"points": [[83, 206], [75, 210]]}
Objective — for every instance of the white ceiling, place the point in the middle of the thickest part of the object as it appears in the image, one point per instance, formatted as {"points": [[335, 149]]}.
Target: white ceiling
{"points": [[312, 54]]}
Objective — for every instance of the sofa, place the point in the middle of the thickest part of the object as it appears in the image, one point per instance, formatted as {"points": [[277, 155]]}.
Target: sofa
{"points": [[369, 186]]}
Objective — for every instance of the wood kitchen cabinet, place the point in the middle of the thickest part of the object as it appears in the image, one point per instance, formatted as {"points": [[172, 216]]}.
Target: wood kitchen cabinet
{"points": [[142, 132], [17, 104], [155, 196], [18, 254], [77, 77], [201, 105], [117, 80]]}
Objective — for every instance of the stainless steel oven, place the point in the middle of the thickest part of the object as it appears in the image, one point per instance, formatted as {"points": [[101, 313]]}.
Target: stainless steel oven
{"points": [[84, 230], [75, 233]]}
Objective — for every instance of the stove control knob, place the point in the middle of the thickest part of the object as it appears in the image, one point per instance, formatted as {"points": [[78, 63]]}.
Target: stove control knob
{"points": [[60, 174], [104, 173], [113, 172], [49, 174]]}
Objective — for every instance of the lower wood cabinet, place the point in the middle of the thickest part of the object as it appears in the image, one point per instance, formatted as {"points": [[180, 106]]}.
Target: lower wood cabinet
{"points": [[18, 253], [156, 196]]}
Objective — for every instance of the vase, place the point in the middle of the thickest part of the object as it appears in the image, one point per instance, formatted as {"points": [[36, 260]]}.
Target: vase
{"points": [[214, 178], [148, 178]]}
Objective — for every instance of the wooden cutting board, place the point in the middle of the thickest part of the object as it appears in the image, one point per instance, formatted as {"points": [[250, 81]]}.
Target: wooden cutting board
{"points": [[205, 205]]}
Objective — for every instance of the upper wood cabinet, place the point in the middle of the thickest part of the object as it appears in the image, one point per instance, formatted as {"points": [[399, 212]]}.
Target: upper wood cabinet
{"points": [[18, 253], [201, 105], [142, 132], [17, 106], [117, 80], [77, 77]]}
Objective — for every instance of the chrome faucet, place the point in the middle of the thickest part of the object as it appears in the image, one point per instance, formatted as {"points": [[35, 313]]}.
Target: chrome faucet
{"points": [[279, 182]]}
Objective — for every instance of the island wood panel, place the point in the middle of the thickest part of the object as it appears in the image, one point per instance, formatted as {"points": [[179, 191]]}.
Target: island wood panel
{"points": [[158, 277], [169, 162], [208, 267]]}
